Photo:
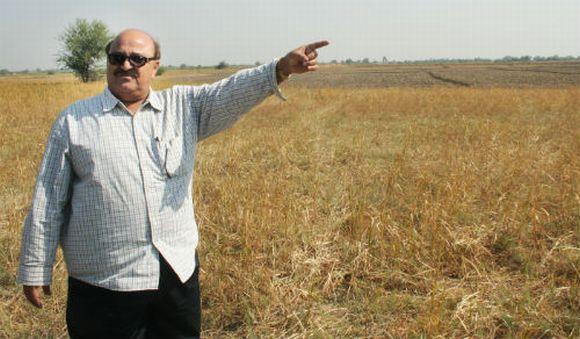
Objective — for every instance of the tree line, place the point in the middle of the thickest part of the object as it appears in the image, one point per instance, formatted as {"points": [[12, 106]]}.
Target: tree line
{"points": [[525, 58], [83, 51]]}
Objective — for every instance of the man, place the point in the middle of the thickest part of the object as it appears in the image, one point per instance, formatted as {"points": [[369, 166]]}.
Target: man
{"points": [[115, 190]]}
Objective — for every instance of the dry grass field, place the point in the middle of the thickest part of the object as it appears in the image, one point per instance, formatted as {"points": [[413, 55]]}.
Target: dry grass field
{"points": [[372, 204]]}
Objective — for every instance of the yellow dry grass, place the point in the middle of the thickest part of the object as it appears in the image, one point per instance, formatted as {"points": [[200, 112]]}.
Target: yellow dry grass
{"points": [[437, 212]]}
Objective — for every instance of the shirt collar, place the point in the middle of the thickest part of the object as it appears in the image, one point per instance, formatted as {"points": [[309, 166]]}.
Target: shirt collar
{"points": [[153, 100], [109, 101]]}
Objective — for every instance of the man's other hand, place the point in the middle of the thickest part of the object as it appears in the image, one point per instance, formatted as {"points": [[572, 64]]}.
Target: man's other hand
{"points": [[32, 293], [300, 60]]}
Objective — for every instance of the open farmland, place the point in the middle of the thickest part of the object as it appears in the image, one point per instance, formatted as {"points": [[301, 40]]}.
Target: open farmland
{"points": [[487, 75], [378, 201]]}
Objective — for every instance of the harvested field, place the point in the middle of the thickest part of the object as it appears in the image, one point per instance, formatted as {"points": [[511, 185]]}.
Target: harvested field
{"points": [[514, 75]]}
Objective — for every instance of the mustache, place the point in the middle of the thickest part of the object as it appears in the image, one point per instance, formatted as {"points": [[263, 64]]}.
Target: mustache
{"points": [[132, 73]]}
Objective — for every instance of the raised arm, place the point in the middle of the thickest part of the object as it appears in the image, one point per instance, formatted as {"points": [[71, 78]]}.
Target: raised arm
{"points": [[219, 105]]}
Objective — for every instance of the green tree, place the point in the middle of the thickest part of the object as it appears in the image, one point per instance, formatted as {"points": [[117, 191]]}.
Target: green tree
{"points": [[83, 47]]}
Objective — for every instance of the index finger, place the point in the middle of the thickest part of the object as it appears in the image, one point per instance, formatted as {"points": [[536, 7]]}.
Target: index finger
{"points": [[316, 45]]}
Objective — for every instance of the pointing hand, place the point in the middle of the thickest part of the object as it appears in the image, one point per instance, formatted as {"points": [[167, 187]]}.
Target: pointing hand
{"points": [[300, 60]]}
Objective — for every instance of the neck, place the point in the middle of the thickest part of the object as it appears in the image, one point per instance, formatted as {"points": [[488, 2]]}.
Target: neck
{"points": [[132, 102], [133, 107]]}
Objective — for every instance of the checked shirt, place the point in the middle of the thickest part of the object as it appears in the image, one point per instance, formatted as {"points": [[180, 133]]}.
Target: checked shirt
{"points": [[115, 189]]}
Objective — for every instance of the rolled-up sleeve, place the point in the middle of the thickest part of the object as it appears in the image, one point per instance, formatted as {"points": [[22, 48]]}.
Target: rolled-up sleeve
{"points": [[49, 211], [219, 105]]}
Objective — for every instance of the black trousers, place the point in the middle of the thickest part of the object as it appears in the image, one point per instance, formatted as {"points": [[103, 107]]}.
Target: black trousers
{"points": [[172, 311]]}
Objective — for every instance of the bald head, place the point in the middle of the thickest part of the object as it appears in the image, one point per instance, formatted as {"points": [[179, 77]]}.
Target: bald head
{"points": [[135, 36]]}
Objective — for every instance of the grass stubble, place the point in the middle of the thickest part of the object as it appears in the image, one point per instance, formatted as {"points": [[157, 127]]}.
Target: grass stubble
{"points": [[398, 212]]}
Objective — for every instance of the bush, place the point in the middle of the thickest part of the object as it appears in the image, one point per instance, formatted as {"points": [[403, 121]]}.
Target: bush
{"points": [[161, 70], [222, 65]]}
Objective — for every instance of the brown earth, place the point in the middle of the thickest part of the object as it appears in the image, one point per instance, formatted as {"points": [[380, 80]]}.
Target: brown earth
{"points": [[517, 75]]}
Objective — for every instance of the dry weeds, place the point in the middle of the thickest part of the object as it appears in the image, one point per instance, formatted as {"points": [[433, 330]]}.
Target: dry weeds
{"points": [[439, 212]]}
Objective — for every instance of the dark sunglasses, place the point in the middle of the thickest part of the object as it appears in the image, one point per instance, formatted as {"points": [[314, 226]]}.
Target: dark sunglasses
{"points": [[136, 60]]}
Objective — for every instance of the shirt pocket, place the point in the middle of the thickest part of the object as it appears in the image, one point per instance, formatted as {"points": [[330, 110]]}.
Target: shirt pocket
{"points": [[172, 154]]}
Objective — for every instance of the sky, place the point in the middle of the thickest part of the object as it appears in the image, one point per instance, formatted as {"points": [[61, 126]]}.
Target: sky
{"points": [[204, 32]]}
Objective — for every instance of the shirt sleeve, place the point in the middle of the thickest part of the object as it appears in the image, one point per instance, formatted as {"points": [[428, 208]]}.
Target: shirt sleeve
{"points": [[219, 105], [49, 210]]}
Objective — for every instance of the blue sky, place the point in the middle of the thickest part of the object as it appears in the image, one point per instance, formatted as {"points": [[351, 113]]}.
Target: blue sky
{"points": [[244, 31]]}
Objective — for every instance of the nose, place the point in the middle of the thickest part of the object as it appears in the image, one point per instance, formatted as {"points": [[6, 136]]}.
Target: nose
{"points": [[126, 65]]}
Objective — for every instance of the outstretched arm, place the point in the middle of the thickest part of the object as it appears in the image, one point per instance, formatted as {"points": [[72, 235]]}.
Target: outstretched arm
{"points": [[219, 105]]}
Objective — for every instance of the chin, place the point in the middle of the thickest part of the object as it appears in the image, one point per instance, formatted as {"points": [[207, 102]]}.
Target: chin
{"points": [[127, 86], [128, 91]]}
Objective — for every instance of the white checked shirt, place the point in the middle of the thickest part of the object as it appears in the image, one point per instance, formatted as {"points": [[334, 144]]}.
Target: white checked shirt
{"points": [[115, 189]]}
